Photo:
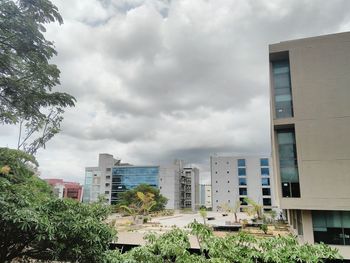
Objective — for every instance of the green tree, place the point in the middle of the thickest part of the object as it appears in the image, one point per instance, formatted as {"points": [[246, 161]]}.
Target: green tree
{"points": [[253, 208], [27, 77], [37, 225], [203, 213], [237, 248], [130, 197]]}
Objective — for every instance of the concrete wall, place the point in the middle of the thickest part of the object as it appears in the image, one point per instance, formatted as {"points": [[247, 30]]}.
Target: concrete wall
{"points": [[320, 77]]}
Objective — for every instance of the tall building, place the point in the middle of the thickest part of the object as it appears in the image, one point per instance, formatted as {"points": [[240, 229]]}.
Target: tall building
{"points": [[112, 177], [64, 189], [235, 178], [205, 195], [310, 117]]}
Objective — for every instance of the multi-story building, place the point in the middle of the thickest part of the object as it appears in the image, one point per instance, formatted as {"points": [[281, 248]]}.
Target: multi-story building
{"points": [[111, 177], [235, 178], [64, 189], [129, 176], [310, 117], [180, 184], [205, 195]]}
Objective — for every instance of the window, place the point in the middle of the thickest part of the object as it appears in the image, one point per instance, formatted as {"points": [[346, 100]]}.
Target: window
{"points": [[217, 201], [243, 191], [242, 200], [228, 191], [241, 162], [266, 191], [227, 163], [216, 162], [331, 227], [106, 192], [241, 172], [228, 172], [265, 171], [216, 191], [160, 187], [107, 184], [282, 89], [216, 172], [108, 177], [265, 181], [264, 162], [267, 201], [288, 163], [229, 201], [216, 181], [242, 181], [108, 169]]}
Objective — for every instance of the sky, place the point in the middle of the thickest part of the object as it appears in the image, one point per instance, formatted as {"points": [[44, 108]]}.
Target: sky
{"points": [[158, 80]]}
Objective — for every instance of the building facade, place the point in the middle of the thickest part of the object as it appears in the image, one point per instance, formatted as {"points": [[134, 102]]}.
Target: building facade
{"points": [[64, 189], [235, 178], [310, 124], [111, 177], [205, 195], [128, 177]]}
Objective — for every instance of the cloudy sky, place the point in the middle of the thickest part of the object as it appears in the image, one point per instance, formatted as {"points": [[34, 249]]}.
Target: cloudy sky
{"points": [[162, 79]]}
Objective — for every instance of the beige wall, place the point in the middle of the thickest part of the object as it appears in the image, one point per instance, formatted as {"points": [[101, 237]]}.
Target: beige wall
{"points": [[320, 78]]}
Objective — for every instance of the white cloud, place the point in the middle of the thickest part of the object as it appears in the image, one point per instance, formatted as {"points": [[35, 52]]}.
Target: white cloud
{"points": [[157, 80]]}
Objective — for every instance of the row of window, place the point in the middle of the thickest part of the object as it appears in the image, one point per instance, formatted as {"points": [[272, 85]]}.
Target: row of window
{"points": [[242, 163]]}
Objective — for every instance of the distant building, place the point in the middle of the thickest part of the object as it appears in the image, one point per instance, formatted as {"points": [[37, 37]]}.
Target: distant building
{"points": [[310, 127], [234, 178], [111, 177], [205, 195], [64, 189], [180, 184]]}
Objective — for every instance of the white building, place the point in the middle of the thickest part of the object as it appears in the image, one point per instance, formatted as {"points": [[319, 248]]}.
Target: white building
{"points": [[205, 195], [234, 178]]}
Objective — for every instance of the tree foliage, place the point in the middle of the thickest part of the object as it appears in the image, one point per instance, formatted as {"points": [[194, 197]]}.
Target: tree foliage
{"points": [[37, 225], [173, 246], [131, 197], [27, 77]]}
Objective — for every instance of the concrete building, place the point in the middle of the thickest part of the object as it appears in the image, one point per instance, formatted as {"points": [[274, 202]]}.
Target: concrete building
{"points": [[112, 177], [234, 178], [64, 189], [310, 124], [180, 184], [205, 195]]}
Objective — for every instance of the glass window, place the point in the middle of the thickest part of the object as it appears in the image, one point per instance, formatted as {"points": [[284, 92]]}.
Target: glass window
{"points": [[265, 171], [242, 181], [265, 181], [242, 200], [282, 89], [241, 172], [267, 201], [266, 191], [288, 163], [331, 227], [264, 162], [243, 191], [241, 162]]}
